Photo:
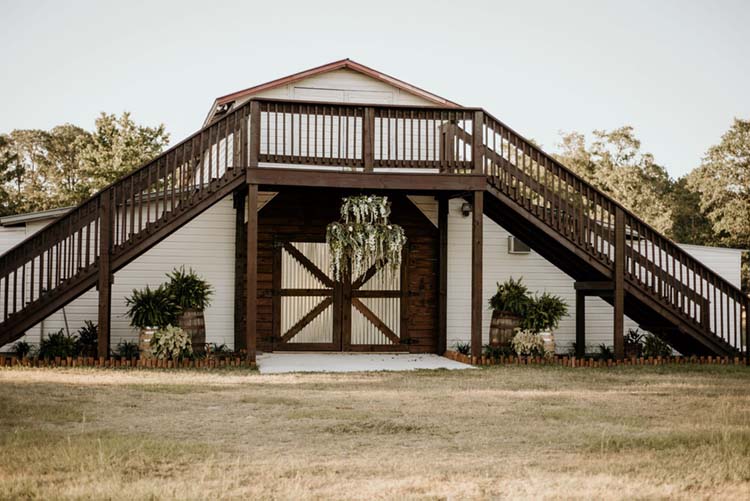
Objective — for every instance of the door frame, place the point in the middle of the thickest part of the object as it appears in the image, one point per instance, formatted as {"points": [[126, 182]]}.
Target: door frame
{"points": [[345, 296]]}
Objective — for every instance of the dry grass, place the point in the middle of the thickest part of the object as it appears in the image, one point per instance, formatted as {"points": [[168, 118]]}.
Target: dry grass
{"points": [[491, 433]]}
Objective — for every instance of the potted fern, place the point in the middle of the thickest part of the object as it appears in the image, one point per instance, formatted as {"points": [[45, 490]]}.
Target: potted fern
{"points": [[192, 294], [542, 317], [149, 310], [508, 306]]}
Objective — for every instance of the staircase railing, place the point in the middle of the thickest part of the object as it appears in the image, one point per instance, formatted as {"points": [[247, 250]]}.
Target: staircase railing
{"points": [[68, 250], [585, 216], [367, 138]]}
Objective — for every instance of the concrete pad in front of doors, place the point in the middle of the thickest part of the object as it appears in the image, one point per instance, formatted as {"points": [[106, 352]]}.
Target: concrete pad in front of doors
{"points": [[279, 363]]}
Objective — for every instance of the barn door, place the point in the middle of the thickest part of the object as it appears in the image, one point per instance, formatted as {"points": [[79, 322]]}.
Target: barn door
{"points": [[306, 315], [376, 309], [312, 312]]}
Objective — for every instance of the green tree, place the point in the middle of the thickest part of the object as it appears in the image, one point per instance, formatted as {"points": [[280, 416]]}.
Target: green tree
{"points": [[614, 163], [118, 146], [8, 177], [723, 182], [63, 164]]}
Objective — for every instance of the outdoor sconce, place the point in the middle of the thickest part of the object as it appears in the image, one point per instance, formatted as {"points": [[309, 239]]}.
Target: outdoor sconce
{"points": [[466, 209]]}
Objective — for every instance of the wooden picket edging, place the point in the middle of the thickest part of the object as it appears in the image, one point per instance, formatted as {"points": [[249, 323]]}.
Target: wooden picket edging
{"points": [[116, 363], [572, 361]]}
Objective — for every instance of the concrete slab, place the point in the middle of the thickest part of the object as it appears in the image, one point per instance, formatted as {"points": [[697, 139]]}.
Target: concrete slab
{"points": [[279, 363]]}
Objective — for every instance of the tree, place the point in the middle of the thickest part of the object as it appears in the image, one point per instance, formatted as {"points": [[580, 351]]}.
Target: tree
{"points": [[723, 182], [614, 163], [63, 164], [8, 174], [118, 146]]}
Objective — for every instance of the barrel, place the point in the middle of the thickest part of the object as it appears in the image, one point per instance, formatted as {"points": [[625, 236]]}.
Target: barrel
{"points": [[502, 327], [193, 323], [144, 341]]}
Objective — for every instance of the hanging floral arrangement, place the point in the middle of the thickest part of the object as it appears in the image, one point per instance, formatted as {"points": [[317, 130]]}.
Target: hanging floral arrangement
{"points": [[364, 237]]}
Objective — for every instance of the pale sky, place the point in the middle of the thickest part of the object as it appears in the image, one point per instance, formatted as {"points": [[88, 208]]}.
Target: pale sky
{"points": [[678, 71]]}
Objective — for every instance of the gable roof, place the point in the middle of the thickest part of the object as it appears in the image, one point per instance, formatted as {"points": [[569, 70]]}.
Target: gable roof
{"points": [[336, 65]]}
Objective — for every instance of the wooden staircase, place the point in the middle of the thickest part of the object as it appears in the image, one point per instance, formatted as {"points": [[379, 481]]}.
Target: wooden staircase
{"points": [[562, 217]]}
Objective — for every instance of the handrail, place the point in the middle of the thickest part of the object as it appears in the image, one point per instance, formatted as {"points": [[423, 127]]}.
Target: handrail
{"points": [[364, 137]]}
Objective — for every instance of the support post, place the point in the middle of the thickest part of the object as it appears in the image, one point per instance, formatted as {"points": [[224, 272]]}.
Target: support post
{"points": [[105, 274], [240, 261], [443, 275], [477, 142], [251, 309], [580, 324], [476, 274], [619, 282], [253, 148], [368, 134]]}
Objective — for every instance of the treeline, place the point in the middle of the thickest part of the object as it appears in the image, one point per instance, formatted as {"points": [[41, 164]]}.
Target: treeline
{"points": [[710, 206], [44, 169]]}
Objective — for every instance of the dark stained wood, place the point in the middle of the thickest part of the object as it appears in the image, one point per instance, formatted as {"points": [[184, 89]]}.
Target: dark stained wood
{"points": [[105, 276], [251, 317], [271, 177], [580, 323], [302, 215], [240, 263], [477, 217], [562, 217], [443, 204], [619, 281]]}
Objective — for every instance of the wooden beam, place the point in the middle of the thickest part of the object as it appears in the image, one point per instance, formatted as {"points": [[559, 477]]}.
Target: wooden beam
{"points": [[105, 274], [368, 135], [476, 273], [240, 261], [580, 323], [314, 178], [619, 281], [251, 315], [442, 340], [604, 285]]}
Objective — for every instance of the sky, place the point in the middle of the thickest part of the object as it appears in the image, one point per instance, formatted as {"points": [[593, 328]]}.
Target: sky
{"points": [[677, 71]]}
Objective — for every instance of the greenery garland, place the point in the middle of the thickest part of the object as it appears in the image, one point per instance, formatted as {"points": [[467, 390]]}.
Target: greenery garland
{"points": [[364, 236]]}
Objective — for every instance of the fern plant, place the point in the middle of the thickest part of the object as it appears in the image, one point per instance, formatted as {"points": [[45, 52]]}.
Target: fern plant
{"points": [[512, 297], [127, 350], [188, 289], [58, 344], [151, 308], [88, 339]]}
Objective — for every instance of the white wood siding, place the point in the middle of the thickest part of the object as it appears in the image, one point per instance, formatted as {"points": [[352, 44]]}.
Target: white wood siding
{"points": [[346, 86], [539, 275], [206, 244]]}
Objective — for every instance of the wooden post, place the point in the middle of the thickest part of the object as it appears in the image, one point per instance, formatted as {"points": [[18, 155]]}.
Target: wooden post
{"points": [[253, 148], [580, 324], [105, 273], [251, 315], [476, 274], [619, 281], [477, 142], [443, 276], [240, 261], [368, 135]]}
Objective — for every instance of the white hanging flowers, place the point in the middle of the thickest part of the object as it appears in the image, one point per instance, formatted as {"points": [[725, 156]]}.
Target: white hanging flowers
{"points": [[364, 237]]}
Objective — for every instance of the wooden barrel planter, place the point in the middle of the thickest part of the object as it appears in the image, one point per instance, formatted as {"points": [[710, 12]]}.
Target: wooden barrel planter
{"points": [[193, 322], [502, 327], [144, 342]]}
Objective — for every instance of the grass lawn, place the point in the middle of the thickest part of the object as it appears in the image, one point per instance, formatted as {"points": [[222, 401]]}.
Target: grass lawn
{"points": [[528, 432]]}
